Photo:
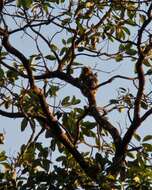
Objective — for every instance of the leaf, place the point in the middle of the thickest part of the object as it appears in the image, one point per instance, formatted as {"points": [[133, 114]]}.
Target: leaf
{"points": [[122, 90], [63, 41], [149, 72], [114, 101], [61, 158], [75, 101], [50, 57], [12, 75], [53, 144], [76, 63], [89, 124], [137, 137], [89, 4], [130, 155], [121, 109], [136, 179], [29, 154], [147, 147], [80, 49], [24, 3], [53, 47], [63, 50], [53, 90], [146, 63], [88, 132], [65, 101], [131, 52], [126, 30], [1, 138], [46, 164], [147, 138], [142, 18], [24, 124], [3, 156], [119, 57], [144, 105], [69, 41], [1, 73], [7, 166]]}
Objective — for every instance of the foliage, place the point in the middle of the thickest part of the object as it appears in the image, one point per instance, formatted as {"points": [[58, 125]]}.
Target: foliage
{"points": [[50, 53]]}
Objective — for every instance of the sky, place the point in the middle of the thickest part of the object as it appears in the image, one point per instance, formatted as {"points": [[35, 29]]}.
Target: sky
{"points": [[11, 127]]}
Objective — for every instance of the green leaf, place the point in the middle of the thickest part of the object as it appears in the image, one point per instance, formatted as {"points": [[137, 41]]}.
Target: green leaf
{"points": [[63, 50], [147, 138], [53, 90], [89, 124], [119, 57], [46, 164], [147, 63], [76, 63], [69, 41], [24, 124], [50, 57], [24, 3], [64, 41], [126, 30], [130, 22], [75, 101], [147, 147], [144, 105], [3, 156], [130, 155], [114, 101], [53, 145], [53, 47], [131, 52], [80, 49], [29, 154], [142, 18], [1, 73], [149, 72], [61, 158], [65, 101], [137, 137], [12, 75]]}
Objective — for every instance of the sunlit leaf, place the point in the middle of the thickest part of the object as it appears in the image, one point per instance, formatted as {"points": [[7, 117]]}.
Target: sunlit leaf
{"points": [[147, 138]]}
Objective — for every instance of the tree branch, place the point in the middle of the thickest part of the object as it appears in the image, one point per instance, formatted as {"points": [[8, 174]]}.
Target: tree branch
{"points": [[19, 55]]}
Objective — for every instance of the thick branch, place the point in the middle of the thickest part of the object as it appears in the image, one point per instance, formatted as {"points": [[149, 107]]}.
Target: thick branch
{"points": [[19, 55], [106, 125], [52, 122], [137, 121]]}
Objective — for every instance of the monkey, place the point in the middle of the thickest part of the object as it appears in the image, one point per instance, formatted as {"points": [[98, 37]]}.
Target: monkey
{"points": [[90, 82]]}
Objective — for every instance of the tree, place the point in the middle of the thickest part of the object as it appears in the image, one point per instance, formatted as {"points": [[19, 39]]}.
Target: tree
{"points": [[65, 41]]}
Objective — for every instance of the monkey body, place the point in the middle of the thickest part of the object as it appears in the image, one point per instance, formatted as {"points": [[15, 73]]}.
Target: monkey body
{"points": [[90, 82]]}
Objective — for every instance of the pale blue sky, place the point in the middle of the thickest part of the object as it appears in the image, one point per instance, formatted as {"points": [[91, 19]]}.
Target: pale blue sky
{"points": [[14, 138]]}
